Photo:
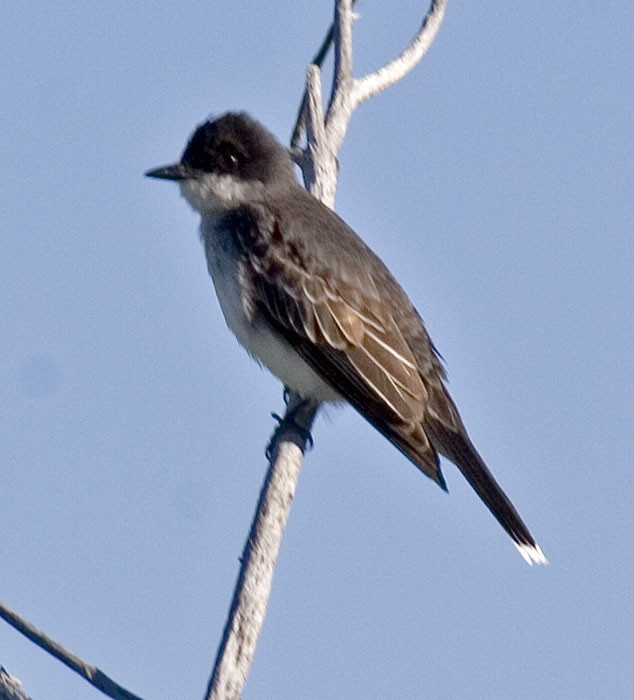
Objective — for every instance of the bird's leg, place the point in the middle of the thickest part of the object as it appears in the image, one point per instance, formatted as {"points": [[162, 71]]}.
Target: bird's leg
{"points": [[295, 425]]}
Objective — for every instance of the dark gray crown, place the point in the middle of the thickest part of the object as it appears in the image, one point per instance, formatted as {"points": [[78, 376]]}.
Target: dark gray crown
{"points": [[235, 144]]}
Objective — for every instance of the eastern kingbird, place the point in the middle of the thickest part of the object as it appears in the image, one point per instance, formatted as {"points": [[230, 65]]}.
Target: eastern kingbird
{"points": [[309, 300]]}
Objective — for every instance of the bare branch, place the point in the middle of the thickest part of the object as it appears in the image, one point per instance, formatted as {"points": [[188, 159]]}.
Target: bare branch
{"points": [[391, 73], [300, 122], [341, 106], [319, 163], [343, 52], [315, 130], [318, 60], [253, 589], [91, 673]]}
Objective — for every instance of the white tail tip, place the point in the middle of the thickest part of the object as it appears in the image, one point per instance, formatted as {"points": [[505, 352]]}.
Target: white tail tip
{"points": [[531, 553]]}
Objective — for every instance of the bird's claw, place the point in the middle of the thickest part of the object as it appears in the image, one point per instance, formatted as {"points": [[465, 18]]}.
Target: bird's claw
{"points": [[289, 422]]}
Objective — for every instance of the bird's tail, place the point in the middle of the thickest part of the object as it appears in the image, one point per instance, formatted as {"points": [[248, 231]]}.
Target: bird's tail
{"points": [[457, 447]]}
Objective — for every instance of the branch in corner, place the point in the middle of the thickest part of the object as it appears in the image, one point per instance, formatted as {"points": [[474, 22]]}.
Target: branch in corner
{"points": [[87, 671]]}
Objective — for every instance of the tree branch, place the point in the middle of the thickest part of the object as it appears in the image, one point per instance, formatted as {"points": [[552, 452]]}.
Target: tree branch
{"points": [[253, 589], [319, 164], [340, 107], [391, 73], [91, 673], [343, 54], [318, 60]]}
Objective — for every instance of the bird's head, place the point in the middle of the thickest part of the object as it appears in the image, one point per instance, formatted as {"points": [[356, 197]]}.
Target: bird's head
{"points": [[229, 161]]}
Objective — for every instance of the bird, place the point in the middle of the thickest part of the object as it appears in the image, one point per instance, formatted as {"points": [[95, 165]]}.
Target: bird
{"points": [[309, 300]]}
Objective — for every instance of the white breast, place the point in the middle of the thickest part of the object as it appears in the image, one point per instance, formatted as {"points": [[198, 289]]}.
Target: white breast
{"points": [[254, 335]]}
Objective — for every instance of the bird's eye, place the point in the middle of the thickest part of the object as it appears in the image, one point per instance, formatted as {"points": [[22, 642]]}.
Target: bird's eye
{"points": [[230, 157]]}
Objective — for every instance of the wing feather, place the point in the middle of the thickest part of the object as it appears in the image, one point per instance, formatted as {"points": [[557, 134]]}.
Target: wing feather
{"points": [[338, 306], [347, 329]]}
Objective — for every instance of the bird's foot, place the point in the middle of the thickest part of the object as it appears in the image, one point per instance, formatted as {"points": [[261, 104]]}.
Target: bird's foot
{"points": [[293, 426]]}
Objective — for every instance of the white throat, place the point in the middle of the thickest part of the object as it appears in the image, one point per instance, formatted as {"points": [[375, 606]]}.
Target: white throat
{"points": [[215, 193]]}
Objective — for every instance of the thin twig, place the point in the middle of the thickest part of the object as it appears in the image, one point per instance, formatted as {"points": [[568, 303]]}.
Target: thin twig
{"points": [[343, 51], [318, 60], [340, 106], [91, 673], [392, 72]]}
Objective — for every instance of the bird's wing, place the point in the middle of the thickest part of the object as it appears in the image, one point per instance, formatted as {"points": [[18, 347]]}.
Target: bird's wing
{"points": [[342, 325], [342, 311]]}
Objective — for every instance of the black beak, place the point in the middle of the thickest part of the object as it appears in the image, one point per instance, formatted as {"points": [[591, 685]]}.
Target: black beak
{"points": [[173, 172]]}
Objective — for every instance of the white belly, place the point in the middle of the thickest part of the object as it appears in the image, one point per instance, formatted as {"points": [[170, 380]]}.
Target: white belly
{"points": [[255, 336]]}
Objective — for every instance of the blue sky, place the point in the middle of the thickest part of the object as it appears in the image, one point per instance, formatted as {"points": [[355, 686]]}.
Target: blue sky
{"points": [[497, 183]]}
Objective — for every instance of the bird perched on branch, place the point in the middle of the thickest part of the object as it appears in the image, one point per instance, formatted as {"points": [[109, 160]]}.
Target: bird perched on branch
{"points": [[310, 301]]}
